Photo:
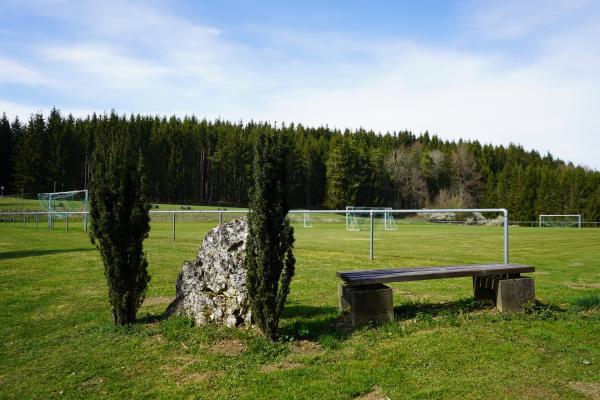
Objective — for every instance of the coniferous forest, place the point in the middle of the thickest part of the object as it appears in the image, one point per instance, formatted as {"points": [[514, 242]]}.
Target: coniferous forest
{"points": [[197, 161]]}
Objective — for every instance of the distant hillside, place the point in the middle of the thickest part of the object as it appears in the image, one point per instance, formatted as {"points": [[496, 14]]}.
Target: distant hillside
{"points": [[209, 162]]}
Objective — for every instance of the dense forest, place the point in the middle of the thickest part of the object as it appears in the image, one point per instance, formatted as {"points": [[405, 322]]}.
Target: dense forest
{"points": [[210, 162]]}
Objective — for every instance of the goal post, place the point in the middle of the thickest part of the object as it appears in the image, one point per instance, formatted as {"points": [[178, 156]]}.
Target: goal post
{"points": [[560, 220], [389, 223], [60, 204], [306, 221], [353, 222]]}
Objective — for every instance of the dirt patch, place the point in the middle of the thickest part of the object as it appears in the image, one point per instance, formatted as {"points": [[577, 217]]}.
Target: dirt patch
{"points": [[590, 389], [158, 338], [177, 370], [92, 382], [204, 376], [375, 394], [282, 366], [584, 285], [229, 347], [306, 348], [157, 301], [590, 312]]}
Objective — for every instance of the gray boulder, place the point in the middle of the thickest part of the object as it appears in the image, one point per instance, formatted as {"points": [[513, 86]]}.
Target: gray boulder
{"points": [[212, 288]]}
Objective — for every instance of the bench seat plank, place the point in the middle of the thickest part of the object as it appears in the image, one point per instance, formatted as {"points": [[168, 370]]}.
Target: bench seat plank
{"points": [[369, 277]]}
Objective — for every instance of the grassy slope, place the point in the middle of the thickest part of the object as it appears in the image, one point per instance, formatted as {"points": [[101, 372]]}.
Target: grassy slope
{"points": [[58, 340]]}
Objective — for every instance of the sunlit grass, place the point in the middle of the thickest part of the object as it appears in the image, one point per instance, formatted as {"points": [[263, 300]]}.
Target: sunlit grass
{"points": [[58, 340]]}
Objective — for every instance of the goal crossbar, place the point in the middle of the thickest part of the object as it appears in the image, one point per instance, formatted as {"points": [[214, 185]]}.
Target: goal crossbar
{"points": [[562, 224]]}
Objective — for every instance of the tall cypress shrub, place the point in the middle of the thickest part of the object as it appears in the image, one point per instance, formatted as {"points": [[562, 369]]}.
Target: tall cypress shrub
{"points": [[269, 258], [119, 217]]}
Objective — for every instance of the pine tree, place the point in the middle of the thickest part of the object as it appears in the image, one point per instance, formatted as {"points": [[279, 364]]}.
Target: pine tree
{"points": [[30, 155], [342, 180], [269, 259], [55, 162], [6, 149], [119, 217]]}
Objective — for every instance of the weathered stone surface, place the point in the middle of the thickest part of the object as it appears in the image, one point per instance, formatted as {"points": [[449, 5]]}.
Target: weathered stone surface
{"points": [[514, 294], [212, 288]]}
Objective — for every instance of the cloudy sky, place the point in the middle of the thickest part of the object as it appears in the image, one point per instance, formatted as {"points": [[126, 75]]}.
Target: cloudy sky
{"points": [[526, 72]]}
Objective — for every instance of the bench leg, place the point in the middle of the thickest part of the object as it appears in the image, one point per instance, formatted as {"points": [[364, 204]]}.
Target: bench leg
{"points": [[484, 289], [513, 294], [343, 305], [369, 303]]}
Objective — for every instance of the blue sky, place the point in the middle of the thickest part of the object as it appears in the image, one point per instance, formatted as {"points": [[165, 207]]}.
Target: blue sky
{"points": [[498, 71]]}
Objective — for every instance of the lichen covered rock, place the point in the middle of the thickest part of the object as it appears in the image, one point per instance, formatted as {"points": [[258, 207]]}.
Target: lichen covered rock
{"points": [[212, 288]]}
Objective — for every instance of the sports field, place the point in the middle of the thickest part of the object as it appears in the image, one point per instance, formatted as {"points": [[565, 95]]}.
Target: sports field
{"points": [[58, 340]]}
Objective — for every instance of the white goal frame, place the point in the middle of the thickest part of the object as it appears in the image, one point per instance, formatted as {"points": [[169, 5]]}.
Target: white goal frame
{"points": [[389, 223], [52, 213], [306, 221], [579, 220]]}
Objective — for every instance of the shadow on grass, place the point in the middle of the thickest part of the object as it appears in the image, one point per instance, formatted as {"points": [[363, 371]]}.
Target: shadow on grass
{"points": [[538, 310], [411, 310], [150, 318], [7, 255], [323, 324], [328, 326]]}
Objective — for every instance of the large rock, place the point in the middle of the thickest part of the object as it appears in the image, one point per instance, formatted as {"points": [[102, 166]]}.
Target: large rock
{"points": [[212, 288]]}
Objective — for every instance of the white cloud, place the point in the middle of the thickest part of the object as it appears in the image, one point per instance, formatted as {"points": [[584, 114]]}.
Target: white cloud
{"points": [[15, 72], [514, 19], [13, 109]]}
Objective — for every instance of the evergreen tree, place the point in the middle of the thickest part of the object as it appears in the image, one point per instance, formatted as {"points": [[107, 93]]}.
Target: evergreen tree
{"points": [[6, 152], [269, 259], [119, 217], [342, 184], [210, 162], [29, 159], [58, 147]]}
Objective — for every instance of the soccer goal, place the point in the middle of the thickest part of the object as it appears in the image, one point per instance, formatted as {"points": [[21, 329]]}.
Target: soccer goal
{"points": [[353, 218], [307, 223], [389, 222], [60, 204], [560, 220]]}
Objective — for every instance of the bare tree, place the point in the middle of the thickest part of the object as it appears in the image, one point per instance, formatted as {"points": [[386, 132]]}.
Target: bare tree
{"points": [[409, 181], [468, 178]]}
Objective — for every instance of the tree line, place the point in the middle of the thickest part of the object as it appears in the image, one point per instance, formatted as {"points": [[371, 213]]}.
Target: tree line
{"points": [[196, 161]]}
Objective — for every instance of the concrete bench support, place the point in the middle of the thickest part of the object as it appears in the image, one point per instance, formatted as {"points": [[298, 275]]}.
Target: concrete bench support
{"points": [[367, 303], [509, 293], [515, 293]]}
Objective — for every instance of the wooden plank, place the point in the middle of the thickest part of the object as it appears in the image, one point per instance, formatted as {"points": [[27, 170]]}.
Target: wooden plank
{"points": [[367, 277]]}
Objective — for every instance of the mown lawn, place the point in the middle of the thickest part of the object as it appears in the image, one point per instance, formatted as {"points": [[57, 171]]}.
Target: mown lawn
{"points": [[58, 340]]}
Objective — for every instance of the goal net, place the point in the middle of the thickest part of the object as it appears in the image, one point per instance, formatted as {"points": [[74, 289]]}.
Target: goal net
{"points": [[354, 219], [60, 204], [560, 220]]}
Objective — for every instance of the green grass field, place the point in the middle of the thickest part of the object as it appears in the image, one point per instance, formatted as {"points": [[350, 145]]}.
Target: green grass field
{"points": [[58, 340]]}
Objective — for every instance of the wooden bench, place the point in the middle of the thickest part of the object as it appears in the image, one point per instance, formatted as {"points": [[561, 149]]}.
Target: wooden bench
{"points": [[368, 299]]}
